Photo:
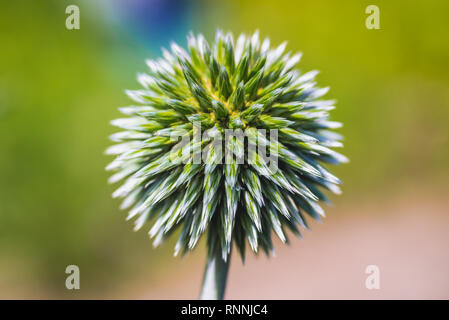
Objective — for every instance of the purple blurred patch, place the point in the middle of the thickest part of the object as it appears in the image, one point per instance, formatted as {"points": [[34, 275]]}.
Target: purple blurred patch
{"points": [[155, 22]]}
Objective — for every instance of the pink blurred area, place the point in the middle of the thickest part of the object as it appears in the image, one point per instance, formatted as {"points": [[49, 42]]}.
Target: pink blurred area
{"points": [[405, 237]]}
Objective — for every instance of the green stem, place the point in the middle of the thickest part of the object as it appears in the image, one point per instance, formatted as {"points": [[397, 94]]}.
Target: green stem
{"points": [[215, 276]]}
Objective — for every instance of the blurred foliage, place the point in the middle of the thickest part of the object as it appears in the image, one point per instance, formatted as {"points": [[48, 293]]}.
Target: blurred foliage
{"points": [[59, 89]]}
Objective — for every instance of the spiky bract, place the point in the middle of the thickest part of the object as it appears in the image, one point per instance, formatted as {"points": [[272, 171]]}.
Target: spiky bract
{"points": [[227, 85]]}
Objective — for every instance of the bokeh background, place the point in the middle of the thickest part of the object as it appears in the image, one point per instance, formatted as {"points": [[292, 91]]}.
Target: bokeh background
{"points": [[59, 89]]}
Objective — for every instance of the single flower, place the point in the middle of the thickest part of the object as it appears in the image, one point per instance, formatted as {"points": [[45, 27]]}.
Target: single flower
{"points": [[228, 139]]}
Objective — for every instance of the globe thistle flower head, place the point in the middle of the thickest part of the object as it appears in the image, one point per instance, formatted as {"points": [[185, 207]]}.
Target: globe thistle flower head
{"points": [[228, 139]]}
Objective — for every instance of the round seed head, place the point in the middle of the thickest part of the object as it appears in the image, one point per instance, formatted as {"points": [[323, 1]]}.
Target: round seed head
{"points": [[228, 139]]}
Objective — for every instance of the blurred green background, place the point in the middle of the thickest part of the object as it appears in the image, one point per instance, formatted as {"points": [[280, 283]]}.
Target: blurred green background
{"points": [[60, 88]]}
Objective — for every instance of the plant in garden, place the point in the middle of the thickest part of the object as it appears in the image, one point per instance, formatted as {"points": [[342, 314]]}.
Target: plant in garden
{"points": [[234, 193]]}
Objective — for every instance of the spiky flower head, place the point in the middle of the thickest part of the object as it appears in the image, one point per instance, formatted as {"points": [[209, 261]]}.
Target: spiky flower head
{"points": [[181, 169]]}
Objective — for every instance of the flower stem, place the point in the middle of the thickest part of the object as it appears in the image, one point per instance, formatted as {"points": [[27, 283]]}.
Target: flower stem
{"points": [[215, 276]]}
